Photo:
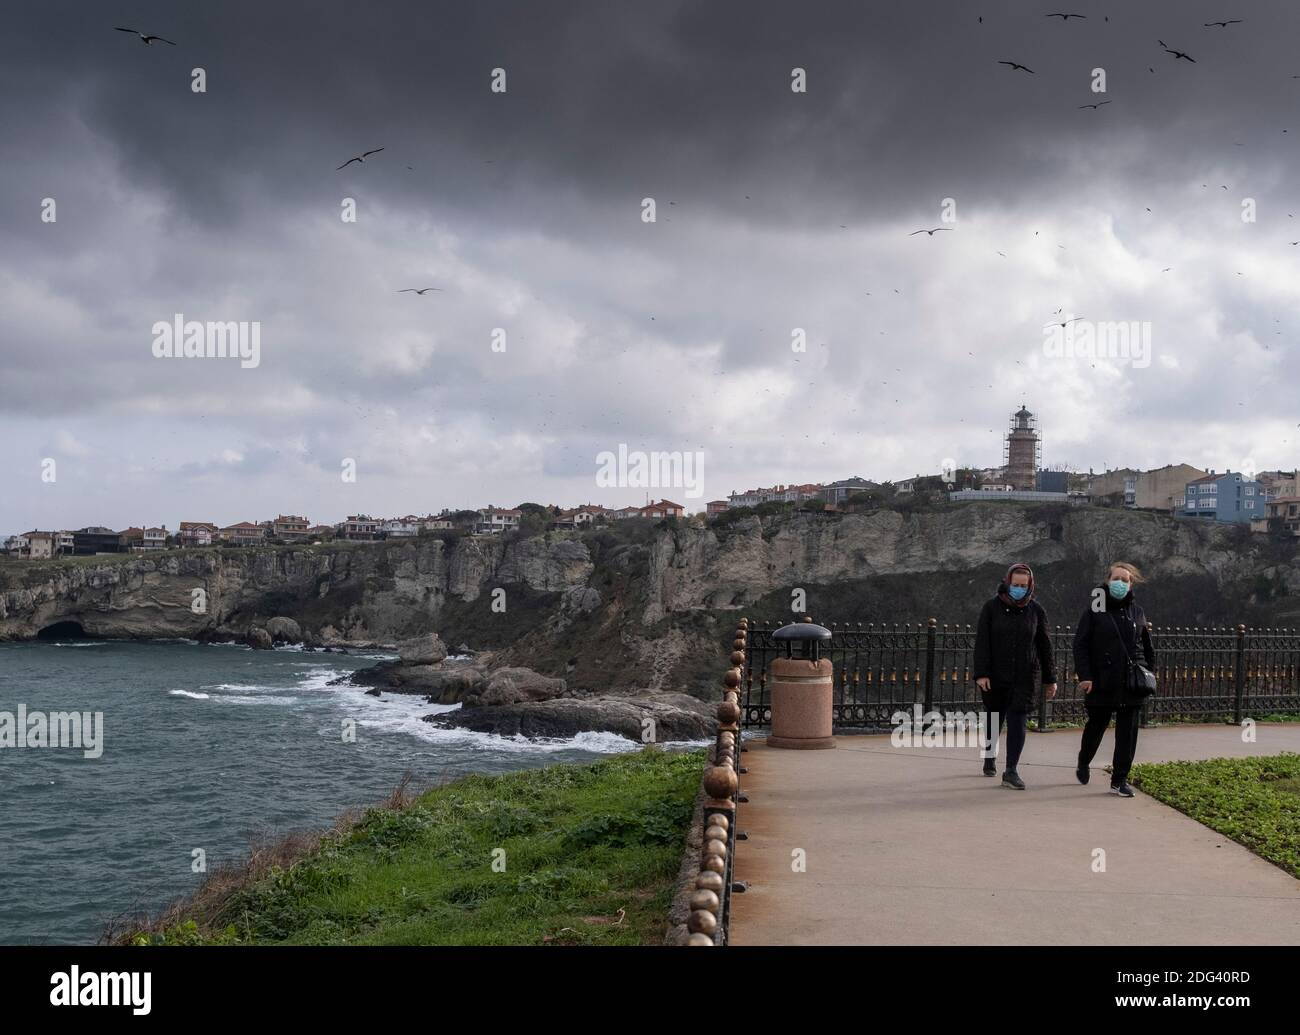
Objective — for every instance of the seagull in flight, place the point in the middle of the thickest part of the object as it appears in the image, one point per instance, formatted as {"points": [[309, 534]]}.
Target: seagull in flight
{"points": [[1066, 17], [418, 291], [1015, 65], [1093, 106], [359, 158], [930, 232], [1224, 25], [1176, 53], [145, 38]]}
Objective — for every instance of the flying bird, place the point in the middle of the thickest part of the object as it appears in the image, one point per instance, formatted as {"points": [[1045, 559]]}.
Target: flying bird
{"points": [[418, 291], [1224, 25], [1176, 53], [1015, 65], [145, 38], [359, 158], [1093, 106], [930, 232], [1066, 17]]}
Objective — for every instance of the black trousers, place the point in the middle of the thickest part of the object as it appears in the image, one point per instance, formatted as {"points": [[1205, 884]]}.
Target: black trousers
{"points": [[1016, 724], [1126, 737]]}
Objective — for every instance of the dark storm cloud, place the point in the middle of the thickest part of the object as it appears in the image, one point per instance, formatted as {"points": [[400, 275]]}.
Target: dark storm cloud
{"points": [[524, 207]]}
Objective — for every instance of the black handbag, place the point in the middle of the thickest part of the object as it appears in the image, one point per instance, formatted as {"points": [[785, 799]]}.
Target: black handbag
{"points": [[1141, 681]]}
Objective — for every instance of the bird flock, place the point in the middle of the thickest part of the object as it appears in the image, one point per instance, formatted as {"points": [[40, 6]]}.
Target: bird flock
{"points": [[1177, 53]]}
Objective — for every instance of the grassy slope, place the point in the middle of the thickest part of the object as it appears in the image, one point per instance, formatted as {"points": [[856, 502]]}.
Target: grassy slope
{"points": [[1254, 801], [581, 842]]}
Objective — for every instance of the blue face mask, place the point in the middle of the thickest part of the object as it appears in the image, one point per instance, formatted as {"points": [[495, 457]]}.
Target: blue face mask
{"points": [[1018, 592], [1118, 589]]}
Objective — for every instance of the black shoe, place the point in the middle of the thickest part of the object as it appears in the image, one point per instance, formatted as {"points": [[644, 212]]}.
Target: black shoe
{"points": [[1123, 790], [1081, 774], [990, 767], [1011, 779]]}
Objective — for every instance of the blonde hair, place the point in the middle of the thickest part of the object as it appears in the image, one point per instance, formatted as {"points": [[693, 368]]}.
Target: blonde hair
{"points": [[1134, 572]]}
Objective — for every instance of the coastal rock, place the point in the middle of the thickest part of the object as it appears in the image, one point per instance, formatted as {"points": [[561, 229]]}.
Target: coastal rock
{"points": [[284, 630], [513, 685], [258, 638], [675, 717], [447, 682], [422, 650]]}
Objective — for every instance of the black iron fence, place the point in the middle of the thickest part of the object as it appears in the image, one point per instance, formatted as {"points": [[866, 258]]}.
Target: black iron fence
{"points": [[1204, 674]]}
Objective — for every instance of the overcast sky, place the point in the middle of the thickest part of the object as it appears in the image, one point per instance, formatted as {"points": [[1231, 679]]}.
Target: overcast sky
{"points": [[776, 210]]}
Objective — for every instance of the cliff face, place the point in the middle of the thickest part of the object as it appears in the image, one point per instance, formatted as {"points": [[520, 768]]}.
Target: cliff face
{"points": [[347, 594], [638, 606]]}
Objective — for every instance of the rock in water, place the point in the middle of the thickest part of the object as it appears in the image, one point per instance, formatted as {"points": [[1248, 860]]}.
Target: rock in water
{"points": [[422, 650], [672, 717], [512, 684], [284, 630], [447, 682], [258, 638]]}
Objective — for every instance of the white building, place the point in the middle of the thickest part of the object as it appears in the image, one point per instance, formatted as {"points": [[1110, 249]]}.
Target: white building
{"points": [[495, 519]]}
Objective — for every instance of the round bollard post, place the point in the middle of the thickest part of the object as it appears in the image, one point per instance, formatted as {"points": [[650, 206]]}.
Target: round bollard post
{"points": [[801, 689]]}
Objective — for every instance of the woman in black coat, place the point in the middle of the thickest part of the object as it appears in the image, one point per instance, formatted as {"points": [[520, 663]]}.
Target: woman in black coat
{"points": [[1112, 631], [1012, 652]]}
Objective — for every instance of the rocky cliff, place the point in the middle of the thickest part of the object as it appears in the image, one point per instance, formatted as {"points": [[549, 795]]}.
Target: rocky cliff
{"points": [[643, 606]]}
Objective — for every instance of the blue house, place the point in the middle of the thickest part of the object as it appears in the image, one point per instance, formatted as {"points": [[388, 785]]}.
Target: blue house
{"points": [[1224, 497]]}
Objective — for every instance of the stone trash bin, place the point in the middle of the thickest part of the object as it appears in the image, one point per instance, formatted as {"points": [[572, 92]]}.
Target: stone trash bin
{"points": [[801, 689]]}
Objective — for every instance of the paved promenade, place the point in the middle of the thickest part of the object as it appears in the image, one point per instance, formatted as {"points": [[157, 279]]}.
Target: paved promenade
{"points": [[912, 846]]}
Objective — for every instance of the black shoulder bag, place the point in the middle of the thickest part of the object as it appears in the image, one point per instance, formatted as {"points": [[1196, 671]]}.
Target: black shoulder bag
{"points": [[1141, 681]]}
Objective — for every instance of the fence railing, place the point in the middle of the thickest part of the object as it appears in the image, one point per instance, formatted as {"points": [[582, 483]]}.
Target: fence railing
{"points": [[710, 902], [1204, 674]]}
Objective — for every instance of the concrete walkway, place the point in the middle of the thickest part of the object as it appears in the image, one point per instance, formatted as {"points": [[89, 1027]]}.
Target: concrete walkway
{"points": [[913, 846]]}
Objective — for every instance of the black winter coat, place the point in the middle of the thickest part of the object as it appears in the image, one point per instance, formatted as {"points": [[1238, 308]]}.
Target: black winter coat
{"points": [[1104, 642], [1014, 651]]}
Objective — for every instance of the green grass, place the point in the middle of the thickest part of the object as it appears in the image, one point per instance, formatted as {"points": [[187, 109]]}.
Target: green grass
{"points": [[591, 855], [1254, 801]]}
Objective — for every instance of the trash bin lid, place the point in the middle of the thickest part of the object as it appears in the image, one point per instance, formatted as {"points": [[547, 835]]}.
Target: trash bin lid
{"points": [[802, 631]]}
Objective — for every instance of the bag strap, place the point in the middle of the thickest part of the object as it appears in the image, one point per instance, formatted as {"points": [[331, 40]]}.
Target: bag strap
{"points": [[1120, 635]]}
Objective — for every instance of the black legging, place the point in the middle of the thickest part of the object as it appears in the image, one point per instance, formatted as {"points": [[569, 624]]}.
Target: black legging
{"points": [[1126, 736], [1015, 723]]}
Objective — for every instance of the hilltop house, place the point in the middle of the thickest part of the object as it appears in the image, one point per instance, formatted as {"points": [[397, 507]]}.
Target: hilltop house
{"points": [[837, 492], [290, 526], [1279, 483], [400, 528], [197, 533], [359, 528], [587, 514], [96, 539], [663, 509], [492, 520], [1280, 515], [40, 545], [1224, 497], [1161, 489], [245, 533], [17, 546]]}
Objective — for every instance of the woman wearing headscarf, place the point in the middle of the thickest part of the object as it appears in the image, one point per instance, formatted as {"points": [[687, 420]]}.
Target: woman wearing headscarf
{"points": [[1112, 634], [1013, 651]]}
